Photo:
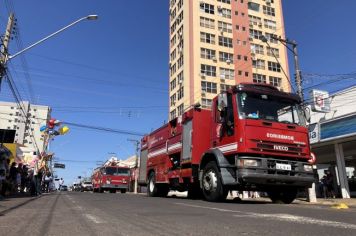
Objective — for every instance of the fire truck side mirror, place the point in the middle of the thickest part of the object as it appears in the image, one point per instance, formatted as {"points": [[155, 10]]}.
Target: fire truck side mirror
{"points": [[222, 101]]}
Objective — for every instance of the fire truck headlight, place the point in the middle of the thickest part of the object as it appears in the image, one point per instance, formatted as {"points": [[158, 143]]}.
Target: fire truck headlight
{"points": [[124, 181], [250, 163], [108, 182], [308, 168]]}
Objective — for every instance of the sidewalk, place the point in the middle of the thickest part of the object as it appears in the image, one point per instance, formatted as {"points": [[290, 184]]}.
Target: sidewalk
{"points": [[12, 202], [350, 202]]}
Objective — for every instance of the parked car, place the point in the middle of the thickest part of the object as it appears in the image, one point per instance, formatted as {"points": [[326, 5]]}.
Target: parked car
{"points": [[86, 186], [63, 188]]}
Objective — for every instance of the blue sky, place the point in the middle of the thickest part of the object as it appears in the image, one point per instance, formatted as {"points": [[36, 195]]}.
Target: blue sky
{"points": [[113, 72]]}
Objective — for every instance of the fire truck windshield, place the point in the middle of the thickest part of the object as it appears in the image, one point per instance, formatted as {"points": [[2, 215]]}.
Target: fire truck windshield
{"points": [[271, 108], [116, 171]]}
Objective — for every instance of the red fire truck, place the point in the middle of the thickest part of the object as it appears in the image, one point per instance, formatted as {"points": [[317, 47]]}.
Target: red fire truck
{"points": [[111, 178], [254, 138]]}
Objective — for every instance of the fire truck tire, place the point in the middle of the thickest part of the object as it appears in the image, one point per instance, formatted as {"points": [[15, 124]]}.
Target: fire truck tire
{"points": [[213, 189], [194, 191], [162, 190], [152, 186], [286, 196], [112, 191], [123, 190], [101, 190]]}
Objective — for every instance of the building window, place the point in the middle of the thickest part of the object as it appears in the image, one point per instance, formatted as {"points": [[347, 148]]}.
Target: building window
{"points": [[173, 69], [180, 109], [275, 81], [269, 11], [258, 78], [255, 34], [224, 41], [273, 66], [180, 93], [227, 73], [258, 64], [270, 24], [173, 84], [207, 53], [224, 27], [257, 49], [206, 103], [224, 56], [180, 61], [272, 38], [208, 70], [173, 99], [180, 77], [207, 38], [173, 114], [207, 8], [273, 52], [225, 1], [254, 6], [254, 20], [226, 13], [207, 23], [208, 87]]}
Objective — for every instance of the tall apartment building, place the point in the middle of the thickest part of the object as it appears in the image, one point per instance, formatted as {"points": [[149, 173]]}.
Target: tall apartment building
{"points": [[27, 127], [215, 44]]}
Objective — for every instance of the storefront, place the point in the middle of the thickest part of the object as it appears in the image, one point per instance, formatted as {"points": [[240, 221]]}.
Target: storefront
{"points": [[334, 143]]}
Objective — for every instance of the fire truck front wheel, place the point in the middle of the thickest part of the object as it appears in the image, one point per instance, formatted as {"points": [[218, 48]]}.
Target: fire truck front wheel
{"points": [[213, 189], [156, 190], [151, 186], [286, 196]]}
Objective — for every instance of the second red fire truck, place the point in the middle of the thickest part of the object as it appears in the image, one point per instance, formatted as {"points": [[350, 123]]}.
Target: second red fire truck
{"points": [[111, 178], [253, 138]]}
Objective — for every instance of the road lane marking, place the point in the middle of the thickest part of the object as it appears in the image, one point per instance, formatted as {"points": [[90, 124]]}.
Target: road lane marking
{"points": [[95, 219], [279, 217]]}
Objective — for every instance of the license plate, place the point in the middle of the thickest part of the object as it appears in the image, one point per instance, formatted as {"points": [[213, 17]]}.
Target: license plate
{"points": [[280, 166]]}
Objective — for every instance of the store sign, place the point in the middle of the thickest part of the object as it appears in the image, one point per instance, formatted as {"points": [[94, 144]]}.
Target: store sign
{"points": [[58, 165], [314, 134], [321, 101], [345, 126]]}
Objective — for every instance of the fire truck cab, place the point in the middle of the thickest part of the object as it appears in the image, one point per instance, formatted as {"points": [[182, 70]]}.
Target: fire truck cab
{"points": [[253, 138], [111, 178]]}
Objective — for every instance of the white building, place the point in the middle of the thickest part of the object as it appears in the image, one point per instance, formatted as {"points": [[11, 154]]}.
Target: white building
{"points": [[26, 122], [333, 140]]}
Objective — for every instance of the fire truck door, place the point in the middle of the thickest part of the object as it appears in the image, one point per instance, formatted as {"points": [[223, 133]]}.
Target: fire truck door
{"points": [[187, 141]]}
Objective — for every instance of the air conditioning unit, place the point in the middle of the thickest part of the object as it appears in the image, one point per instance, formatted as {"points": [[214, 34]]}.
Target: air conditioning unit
{"points": [[214, 59], [222, 80], [228, 61], [250, 38], [219, 8], [203, 94], [260, 24], [180, 35], [180, 81], [180, 50], [202, 75]]}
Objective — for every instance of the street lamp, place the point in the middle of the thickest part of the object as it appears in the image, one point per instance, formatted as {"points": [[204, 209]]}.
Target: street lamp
{"points": [[89, 17], [298, 75]]}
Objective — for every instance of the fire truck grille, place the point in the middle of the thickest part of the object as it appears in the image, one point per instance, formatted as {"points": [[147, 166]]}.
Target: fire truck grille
{"points": [[275, 147]]}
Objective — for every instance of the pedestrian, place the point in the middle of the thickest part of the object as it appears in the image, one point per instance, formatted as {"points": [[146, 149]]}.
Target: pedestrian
{"points": [[327, 182], [61, 182]]}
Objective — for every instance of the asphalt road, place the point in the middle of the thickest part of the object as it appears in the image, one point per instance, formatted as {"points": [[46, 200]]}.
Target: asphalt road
{"points": [[75, 213]]}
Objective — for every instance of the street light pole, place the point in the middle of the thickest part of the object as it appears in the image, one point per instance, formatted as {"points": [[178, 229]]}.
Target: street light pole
{"points": [[5, 45], [5, 56], [89, 17], [137, 144]]}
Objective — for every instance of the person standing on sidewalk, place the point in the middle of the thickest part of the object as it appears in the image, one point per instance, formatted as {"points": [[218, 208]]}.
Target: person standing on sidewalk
{"points": [[61, 182]]}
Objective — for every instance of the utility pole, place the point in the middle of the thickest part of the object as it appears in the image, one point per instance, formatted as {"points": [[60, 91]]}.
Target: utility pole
{"points": [[5, 45], [298, 74], [137, 144]]}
